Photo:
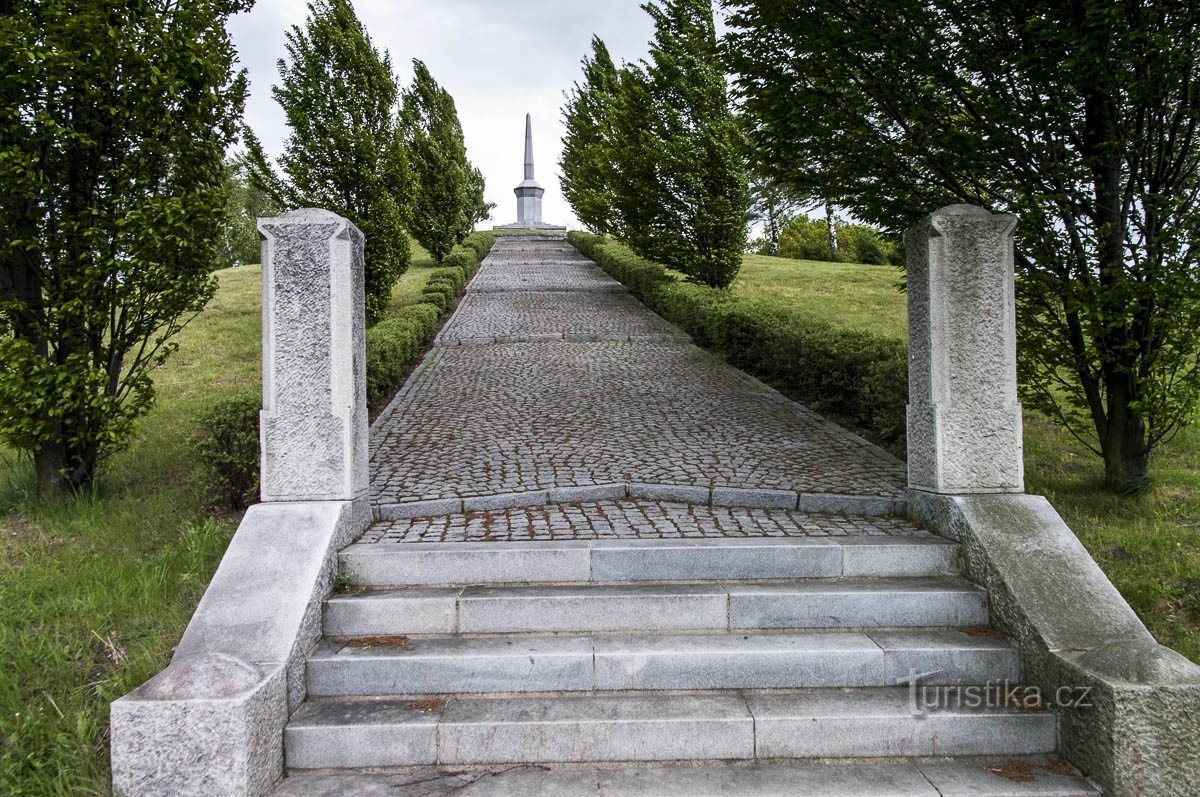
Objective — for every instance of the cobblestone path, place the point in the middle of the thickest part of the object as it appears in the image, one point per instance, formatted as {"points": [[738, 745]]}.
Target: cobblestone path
{"points": [[552, 383]]}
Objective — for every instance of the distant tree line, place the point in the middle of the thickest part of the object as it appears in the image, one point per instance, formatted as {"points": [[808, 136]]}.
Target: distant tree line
{"points": [[389, 160]]}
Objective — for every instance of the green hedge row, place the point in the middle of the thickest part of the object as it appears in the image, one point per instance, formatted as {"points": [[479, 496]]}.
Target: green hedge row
{"points": [[859, 377], [395, 342], [227, 441]]}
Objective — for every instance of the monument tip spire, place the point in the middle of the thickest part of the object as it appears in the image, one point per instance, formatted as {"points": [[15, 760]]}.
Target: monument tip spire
{"points": [[528, 147]]}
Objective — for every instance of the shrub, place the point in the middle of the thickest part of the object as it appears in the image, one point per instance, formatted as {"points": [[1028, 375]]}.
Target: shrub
{"points": [[481, 242], [860, 377], [393, 343], [227, 448], [461, 258]]}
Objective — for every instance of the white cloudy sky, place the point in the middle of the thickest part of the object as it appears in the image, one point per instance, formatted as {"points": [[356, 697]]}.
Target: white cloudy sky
{"points": [[499, 58]]}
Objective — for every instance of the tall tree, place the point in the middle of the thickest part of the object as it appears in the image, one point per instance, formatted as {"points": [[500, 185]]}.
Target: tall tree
{"points": [[111, 206], [1080, 117], [588, 146], [448, 197], [344, 152], [680, 185]]}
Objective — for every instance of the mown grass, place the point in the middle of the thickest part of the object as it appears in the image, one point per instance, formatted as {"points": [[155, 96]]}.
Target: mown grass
{"points": [[408, 288], [1148, 545]]}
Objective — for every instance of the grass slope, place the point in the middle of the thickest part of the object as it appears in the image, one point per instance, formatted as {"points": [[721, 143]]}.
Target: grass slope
{"points": [[1149, 546]]}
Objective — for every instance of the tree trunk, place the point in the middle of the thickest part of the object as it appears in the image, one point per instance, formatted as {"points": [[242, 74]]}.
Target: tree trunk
{"points": [[831, 226], [50, 461], [1126, 456]]}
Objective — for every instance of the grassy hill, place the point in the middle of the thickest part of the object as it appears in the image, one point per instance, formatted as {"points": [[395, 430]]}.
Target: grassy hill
{"points": [[1149, 545]]}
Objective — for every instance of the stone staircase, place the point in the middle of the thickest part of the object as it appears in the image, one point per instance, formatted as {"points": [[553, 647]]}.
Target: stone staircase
{"points": [[724, 664]]}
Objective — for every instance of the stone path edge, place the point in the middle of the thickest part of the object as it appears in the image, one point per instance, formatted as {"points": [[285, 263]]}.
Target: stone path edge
{"points": [[817, 503]]}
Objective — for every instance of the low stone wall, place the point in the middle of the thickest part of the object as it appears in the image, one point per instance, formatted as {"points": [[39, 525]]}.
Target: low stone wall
{"points": [[1131, 719]]}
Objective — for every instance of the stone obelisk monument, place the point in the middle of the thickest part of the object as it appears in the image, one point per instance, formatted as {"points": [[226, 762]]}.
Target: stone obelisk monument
{"points": [[529, 192]]}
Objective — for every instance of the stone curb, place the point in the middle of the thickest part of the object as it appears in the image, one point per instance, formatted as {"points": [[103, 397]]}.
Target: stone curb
{"points": [[730, 497], [575, 337]]}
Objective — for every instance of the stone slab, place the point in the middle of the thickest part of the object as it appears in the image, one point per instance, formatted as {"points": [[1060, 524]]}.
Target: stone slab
{"points": [[737, 661], [454, 665], [364, 733], [858, 604], [467, 563], [427, 611], [604, 728], [947, 657], [660, 607]]}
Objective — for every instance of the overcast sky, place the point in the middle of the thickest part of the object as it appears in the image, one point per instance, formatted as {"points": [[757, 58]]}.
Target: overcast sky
{"points": [[499, 59]]}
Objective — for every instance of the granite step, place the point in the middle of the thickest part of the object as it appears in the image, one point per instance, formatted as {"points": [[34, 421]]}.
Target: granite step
{"points": [[383, 564], [1023, 776], [683, 726], [689, 606], [656, 661]]}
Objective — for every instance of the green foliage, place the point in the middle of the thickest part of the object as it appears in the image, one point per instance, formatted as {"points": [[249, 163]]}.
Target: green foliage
{"points": [[1079, 118], [246, 204], [448, 190], [481, 241], [587, 162], [112, 205], [804, 238], [860, 377], [227, 447], [344, 152], [653, 153]]}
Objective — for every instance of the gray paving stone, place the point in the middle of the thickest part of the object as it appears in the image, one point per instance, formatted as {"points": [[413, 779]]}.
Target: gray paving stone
{"points": [[594, 492], [899, 556], [454, 665], [848, 504], [832, 723], [738, 661], [947, 657], [858, 604], [758, 499], [411, 509], [811, 779], [592, 608], [484, 503], [374, 733], [1004, 777], [595, 728], [436, 563], [716, 559], [405, 612], [509, 418], [635, 518]]}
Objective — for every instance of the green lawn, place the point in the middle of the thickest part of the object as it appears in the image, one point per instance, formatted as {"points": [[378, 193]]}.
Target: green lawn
{"points": [[1149, 546]]}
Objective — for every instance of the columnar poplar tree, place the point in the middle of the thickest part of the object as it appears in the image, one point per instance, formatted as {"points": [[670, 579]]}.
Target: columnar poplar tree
{"points": [[448, 190], [113, 127], [1082, 118], [344, 152], [588, 146], [680, 185]]}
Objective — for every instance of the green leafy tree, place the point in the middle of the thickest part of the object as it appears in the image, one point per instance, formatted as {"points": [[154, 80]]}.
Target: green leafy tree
{"points": [[588, 146], [448, 194], [1079, 117], [113, 127], [344, 152], [680, 187], [247, 203]]}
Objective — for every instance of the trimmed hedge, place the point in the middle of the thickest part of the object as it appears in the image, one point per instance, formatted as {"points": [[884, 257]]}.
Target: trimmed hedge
{"points": [[860, 377], [398, 339]]}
